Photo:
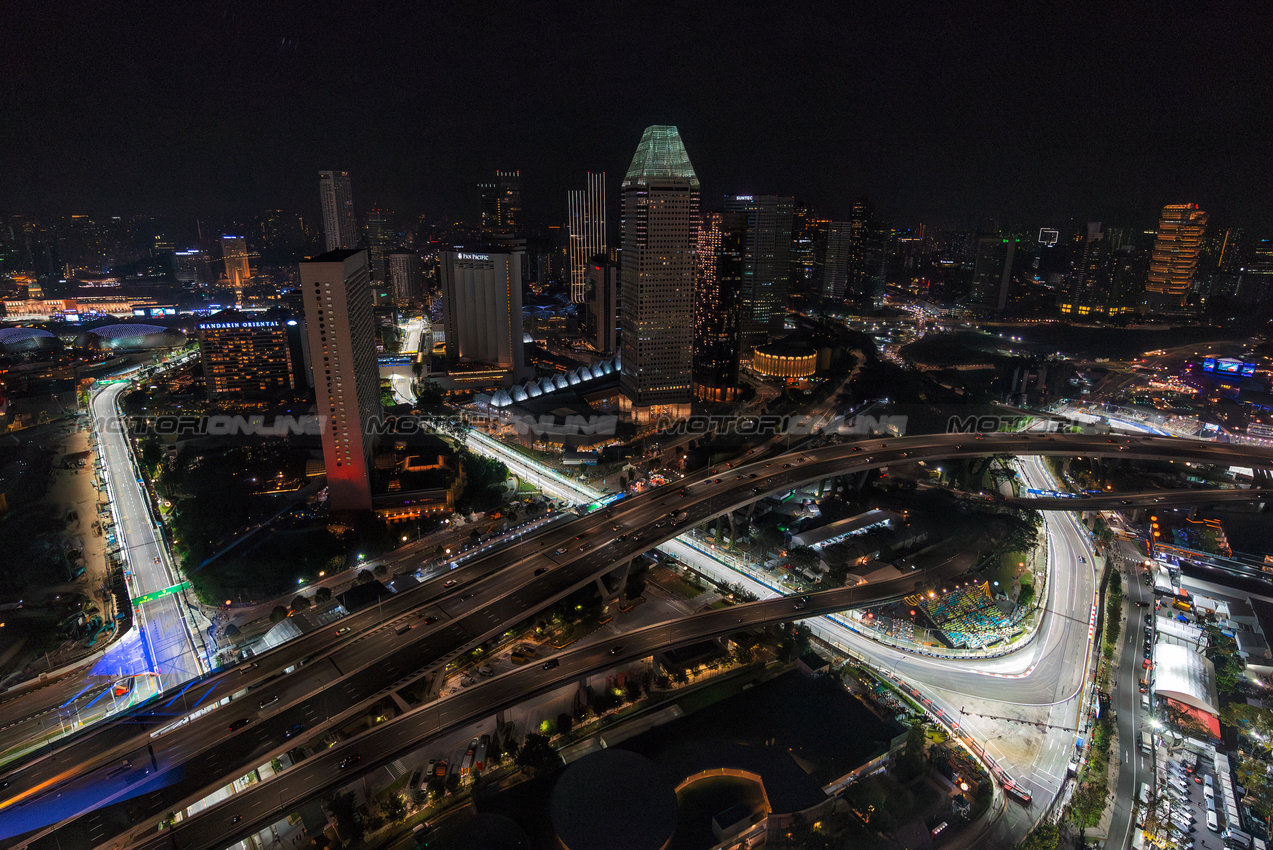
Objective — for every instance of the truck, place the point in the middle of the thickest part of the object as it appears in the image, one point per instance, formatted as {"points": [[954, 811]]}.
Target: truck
{"points": [[467, 763], [1146, 742]]}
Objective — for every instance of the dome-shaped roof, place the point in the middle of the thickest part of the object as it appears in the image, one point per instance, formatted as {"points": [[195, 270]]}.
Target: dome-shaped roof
{"points": [[134, 336], [9, 336], [613, 800]]}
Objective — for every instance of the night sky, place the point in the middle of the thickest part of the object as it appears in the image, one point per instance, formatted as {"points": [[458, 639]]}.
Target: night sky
{"points": [[944, 115]]}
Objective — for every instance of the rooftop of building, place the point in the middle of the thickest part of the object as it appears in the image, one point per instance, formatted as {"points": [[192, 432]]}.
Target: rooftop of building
{"points": [[338, 255]]}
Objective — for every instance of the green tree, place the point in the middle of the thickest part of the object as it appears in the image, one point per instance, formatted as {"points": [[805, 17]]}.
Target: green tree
{"points": [[911, 761], [323, 595], [537, 754], [300, 603], [278, 615], [564, 723], [394, 808], [1253, 775], [1046, 836], [437, 787]]}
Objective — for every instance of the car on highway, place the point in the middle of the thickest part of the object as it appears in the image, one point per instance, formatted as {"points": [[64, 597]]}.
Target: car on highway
{"points": [[346, 630], [581, 536], [268, 701], [451, 582], [541, 571], [349, 761], [295, 730], [561, 551], [616, 650], [240, 723], [551, 663]]}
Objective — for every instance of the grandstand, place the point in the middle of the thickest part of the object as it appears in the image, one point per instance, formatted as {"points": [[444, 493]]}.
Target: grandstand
{"points": [[969, 617]]}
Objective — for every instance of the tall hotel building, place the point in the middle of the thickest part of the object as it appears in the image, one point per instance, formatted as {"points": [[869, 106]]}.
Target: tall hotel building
{"points": [[1175, 257], [501, 204], [659, 202], [766, 267], [406, 277], [245, 355], [339, 228], [586, 210], [482, 306], [337, 293], [722, 244], [238, 269]]}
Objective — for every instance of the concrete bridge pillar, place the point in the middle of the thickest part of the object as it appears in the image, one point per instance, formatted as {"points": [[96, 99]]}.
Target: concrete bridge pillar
{"points": [[612, 583]]}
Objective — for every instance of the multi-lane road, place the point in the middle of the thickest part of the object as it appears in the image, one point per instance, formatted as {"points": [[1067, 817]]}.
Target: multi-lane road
{"points": [[471, 614]]}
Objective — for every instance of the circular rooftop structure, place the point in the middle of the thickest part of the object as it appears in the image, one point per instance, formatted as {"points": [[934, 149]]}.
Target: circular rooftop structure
{"points": [[132, 337], [785, 360], [613, 800]]}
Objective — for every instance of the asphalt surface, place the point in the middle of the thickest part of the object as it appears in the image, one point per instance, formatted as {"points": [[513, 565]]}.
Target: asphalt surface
{"points": [[728, 489], [1143, 498]]}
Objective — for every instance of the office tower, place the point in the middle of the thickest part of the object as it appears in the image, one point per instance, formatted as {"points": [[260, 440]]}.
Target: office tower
{"points": [[586, 219], [338, 209], [238, 271], [382, 236], [720, 278], [766, 267], [601, 298], [192, 266], [406, 278], [342, 345], [992, 272], [482, 303], [805, 237], [1175, 255], [837, 266], [659, 202], [245, 355], [501, 204]]}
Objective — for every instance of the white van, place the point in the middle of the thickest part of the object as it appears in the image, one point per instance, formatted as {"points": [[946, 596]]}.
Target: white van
{"points": [[1212, 823]]}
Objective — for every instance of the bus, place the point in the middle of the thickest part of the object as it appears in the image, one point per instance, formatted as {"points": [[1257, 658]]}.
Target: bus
{"points": [[1017, 793]]}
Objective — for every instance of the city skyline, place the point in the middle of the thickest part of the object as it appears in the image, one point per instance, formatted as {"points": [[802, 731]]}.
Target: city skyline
{"points": [[932, 133]]}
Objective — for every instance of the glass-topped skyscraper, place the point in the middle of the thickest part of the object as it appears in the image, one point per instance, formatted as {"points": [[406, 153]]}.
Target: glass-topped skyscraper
{"points": [[659, 202], [587, 221]]}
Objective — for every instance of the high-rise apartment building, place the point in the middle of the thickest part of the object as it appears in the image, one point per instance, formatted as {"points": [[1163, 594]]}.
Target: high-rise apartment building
{"points": [[245, 355], [406, 278], [238, 269], [601, 298], [586, 220], [191, 266], [336, 287], [766, 267], [1175, 256], [659, 202], [339, 228], [482, 303], [501, 204], [718, 286]]}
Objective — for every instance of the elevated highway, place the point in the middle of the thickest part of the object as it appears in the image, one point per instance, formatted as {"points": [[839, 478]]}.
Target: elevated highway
{"points": [[196, 756]]}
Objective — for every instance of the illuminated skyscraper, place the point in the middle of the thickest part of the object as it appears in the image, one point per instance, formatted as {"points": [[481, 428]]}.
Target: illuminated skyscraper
{"points": [[1175, 256], [838, 263], [501, 204], [336, 287], [245, 355], [659, 202], [719, 281], [766, 267], [238, 269], [338, 209], [382, 237], [587, 223]]}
